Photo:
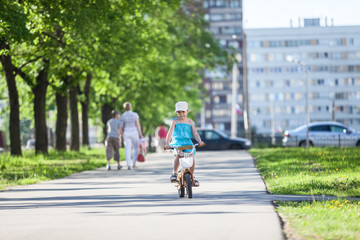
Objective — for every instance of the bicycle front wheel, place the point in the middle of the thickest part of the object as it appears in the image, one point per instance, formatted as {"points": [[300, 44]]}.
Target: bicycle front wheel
{"points": [[181, 191]]}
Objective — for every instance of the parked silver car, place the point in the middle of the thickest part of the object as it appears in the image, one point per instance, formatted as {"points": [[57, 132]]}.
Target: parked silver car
{"points": [[322, 134]]}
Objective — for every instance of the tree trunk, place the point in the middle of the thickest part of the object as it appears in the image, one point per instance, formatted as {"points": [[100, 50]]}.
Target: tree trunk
{"points": [[150, 144], [105, 116], [15, 142], [74, 116], [61, 121], [39, 91], [85, 111]]}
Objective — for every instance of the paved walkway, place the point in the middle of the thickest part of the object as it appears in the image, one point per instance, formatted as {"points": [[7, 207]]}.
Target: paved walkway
{"points": [[231, 203]]}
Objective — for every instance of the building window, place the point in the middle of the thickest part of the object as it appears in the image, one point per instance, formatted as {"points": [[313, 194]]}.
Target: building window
{"points": [[269, 57], [215, 30], [216, 17], [234, 44], [350, 41], [339, 96], [336, 82], [320, 82], [340, 108], [314, 95], [336, 55], [234, 3], [207, 86], [233, 16], [308, 42], [212, 3], [275, 44], [299, 96], [217, 3], [269, 83], [218, 86], [353, 55], [267, 123], [232, 30], [222, 98], [291, 43], [222, 43], [254, 44], [287, 83], [357, 81]]}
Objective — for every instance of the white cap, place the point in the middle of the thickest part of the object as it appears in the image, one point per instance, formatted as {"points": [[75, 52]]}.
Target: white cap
{"points": [[181, 106]]}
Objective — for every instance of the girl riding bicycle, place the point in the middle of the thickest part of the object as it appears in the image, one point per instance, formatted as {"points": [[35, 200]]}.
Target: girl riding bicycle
{"points": [[180, 133]]}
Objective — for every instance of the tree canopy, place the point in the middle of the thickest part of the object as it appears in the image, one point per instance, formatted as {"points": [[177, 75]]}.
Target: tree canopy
{"points": [[106, 52]]}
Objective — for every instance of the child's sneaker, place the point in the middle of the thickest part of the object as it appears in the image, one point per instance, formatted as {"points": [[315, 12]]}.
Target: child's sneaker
{"points": [[173, 177]]}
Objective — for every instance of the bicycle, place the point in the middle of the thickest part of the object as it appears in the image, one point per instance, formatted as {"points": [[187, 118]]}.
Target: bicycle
{"points": [[185, 178]]}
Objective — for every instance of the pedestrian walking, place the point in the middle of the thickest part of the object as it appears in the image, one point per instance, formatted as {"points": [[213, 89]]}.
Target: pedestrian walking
{"points": [[130, 131], [161, 134], [112, 141]]}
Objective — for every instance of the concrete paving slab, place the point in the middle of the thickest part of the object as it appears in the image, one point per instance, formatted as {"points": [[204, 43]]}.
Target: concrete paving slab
{"points": [[231, 203]]}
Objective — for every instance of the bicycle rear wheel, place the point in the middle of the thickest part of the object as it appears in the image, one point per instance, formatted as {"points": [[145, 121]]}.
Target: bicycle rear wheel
{"points": [[188, 185]]}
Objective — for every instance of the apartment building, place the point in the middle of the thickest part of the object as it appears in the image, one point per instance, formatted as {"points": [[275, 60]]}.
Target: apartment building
{"points": [[225, 22], [277, 86]]}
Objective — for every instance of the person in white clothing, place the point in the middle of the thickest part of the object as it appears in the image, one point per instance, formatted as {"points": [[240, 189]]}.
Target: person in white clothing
{"points": [[130, 131]]}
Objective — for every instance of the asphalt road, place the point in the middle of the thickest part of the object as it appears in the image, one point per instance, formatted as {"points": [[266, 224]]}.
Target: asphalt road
{"points": [[231, 203]]}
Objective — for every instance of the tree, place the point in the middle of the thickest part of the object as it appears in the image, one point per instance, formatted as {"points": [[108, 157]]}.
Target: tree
{"points": [[85, 102], [105, 52], [15, 142], [166, 69], [61, 120], [12, 30], [51, 24], [39, 91], [74, 114]]}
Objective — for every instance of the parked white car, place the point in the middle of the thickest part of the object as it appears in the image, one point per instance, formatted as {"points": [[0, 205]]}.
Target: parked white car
{"points": [[322, 134]]}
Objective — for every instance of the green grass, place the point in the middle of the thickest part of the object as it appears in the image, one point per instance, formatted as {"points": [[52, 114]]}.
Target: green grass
{"points": [[337, 219], [320, 171], [31, 168]]}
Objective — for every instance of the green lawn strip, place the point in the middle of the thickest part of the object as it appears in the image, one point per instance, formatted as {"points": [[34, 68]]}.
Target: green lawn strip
{"points": [[318, 171], [31, 168], [336, 219]]}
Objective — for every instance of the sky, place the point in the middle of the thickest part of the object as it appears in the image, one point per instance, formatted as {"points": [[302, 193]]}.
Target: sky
{"points": [[277, 13]]}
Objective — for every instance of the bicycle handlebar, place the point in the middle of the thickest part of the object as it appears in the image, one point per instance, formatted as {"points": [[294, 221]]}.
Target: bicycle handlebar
{"points": [[184, 147]]}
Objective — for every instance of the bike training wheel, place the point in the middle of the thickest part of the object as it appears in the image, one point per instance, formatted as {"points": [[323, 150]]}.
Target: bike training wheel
{"points": [[188, 185], [181, 191]]}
